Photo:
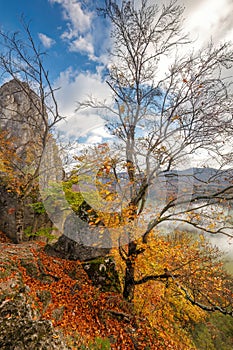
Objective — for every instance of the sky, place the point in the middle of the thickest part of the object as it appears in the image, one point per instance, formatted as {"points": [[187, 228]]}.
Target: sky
{"points": [[76, 39]]}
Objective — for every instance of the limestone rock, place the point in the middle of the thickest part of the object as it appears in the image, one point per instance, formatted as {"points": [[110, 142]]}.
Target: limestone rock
{"points": [[21, 328], [8, 207], [80, 242], [21, 115], [66, 248]]}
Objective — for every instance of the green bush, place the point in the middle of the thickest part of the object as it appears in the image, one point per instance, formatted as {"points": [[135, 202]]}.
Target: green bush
{"points": [[100, 344], [215, 334], [42, 232], [38, 207]]}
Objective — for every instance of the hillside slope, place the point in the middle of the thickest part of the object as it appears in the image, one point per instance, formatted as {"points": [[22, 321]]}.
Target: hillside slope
{"points": [[49, 303]]}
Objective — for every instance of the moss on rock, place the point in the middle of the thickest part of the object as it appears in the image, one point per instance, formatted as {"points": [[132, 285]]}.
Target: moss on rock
{"points": [[45, 297], [103, 274], [30, 267]]}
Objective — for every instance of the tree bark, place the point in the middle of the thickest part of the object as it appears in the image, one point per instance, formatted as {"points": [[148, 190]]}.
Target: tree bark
{"points": [[129, 286], [129, 282], [19, 220]]}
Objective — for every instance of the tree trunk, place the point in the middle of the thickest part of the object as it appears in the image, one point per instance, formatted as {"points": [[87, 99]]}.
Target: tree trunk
{"points": [[128, 292], [129, 285], [34, 227], [19, 220]]}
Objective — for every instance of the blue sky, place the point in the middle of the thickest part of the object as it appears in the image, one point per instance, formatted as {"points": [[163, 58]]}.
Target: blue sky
{"points": [[76, 40], [66, 29]]}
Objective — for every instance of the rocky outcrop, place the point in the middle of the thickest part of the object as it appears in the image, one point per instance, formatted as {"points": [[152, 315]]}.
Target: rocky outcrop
{"points": [[8, 220], [67, 248], [21, 323], [22, 118], [80, 241], [99, 266], [21, 328]]}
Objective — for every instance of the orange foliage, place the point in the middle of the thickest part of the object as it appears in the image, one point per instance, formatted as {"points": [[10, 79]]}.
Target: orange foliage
{"points": [[3, 238], [161, 301], [86, 311], [15, 172], [8, 154]]}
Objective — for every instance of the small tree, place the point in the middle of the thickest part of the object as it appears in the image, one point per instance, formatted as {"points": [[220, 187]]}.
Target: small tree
{"points": [[159, 121], [22, 61]]}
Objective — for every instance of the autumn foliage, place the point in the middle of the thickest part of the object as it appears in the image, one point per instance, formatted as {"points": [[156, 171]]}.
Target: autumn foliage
{"points": [[168, 281], [160, 317], [82, 311], [8, 156]]}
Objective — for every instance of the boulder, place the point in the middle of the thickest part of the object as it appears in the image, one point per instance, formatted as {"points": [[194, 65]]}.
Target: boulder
{"points": [[80, 241], [66, 248], [8, 216]]}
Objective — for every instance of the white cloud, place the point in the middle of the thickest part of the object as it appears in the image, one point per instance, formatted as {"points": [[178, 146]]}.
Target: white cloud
{"points": [[229, 35], [75, 15], [75, 87], [82, 44], [81, 126], [97, 135], [209, 19], [79, 21], [204, 19], [93, 139], [46, 41]]}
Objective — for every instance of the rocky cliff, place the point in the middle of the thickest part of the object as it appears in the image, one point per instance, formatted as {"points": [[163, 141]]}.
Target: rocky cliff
{"points": [[22, 117], [24, 121]]}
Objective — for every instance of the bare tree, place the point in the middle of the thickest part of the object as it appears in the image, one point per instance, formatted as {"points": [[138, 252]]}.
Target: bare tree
{"points": [[161, 120], [30, 127]]}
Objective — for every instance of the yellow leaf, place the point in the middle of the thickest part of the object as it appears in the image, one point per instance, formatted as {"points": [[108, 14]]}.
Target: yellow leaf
{"points": [[175, 117], [122, 108]]}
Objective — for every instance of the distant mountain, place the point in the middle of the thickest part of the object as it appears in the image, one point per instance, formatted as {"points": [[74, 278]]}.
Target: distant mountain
{"points": [[191, 181], [200, 180]]}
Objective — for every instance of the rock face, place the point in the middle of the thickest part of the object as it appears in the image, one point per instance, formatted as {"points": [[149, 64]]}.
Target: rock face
{"points": [[24, 121], [21, 116], [80, 242], [99, 266], [66, 248], [32, 221], [21, 323], [20, 328]]}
